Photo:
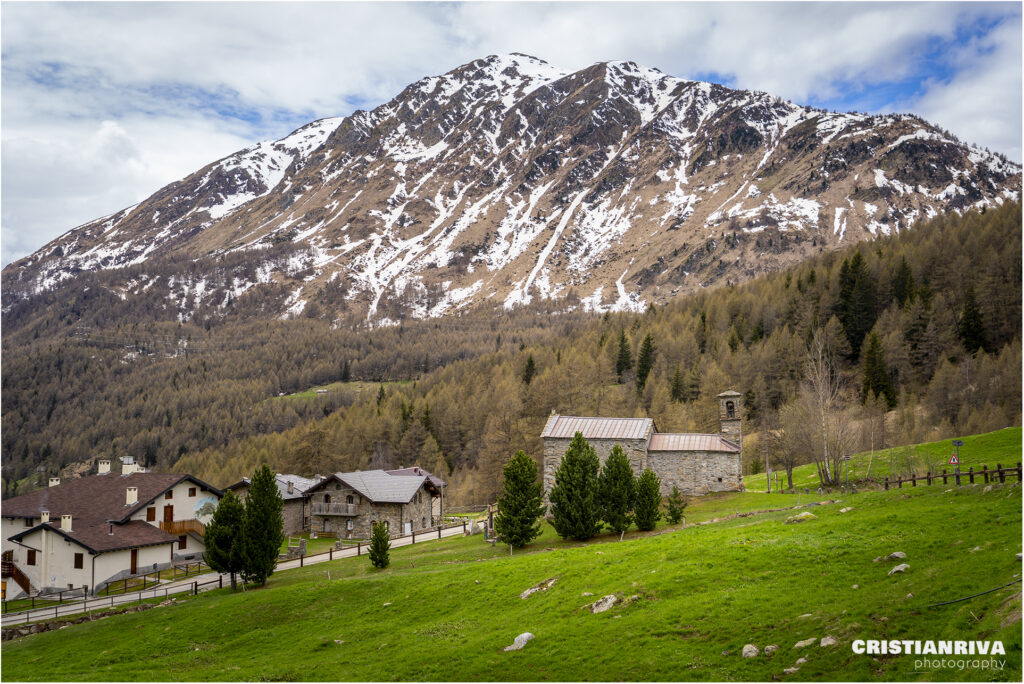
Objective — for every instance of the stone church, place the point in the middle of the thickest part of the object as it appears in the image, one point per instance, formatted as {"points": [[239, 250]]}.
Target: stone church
{"points": [[697, 464]]}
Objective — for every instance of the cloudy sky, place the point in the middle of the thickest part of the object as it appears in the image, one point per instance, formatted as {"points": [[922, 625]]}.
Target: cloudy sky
{"points": [[104, 103]]}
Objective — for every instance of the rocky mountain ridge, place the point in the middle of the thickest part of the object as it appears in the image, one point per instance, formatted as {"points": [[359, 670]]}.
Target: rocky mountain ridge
{"points": [[507, 182]]}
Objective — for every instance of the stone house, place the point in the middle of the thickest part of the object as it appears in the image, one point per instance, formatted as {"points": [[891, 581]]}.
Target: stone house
{"points": [[90, 531], [348, 504], [295, 508], [696, 463]]}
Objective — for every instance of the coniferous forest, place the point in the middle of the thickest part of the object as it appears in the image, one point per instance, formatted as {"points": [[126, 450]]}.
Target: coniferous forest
{"points": [[918, 335]]}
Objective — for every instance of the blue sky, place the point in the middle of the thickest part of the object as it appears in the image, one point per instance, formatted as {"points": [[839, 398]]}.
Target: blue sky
{"points": [[104, 103]]}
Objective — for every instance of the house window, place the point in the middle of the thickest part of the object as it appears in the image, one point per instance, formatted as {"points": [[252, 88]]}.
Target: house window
{"points": [[423, 522], [169, 494], [151, 514], [31, 559], [327, 498], [79, 561], [182, 542], [28, 522], [337, 487], [349, 499], [191, 491]]}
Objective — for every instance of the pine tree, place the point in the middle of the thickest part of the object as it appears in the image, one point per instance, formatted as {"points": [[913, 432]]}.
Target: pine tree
{"points": [[223, 534], [617, 490], [648, 500], [644, 362], [903, 283], [624, 361], [380, 544], [262, 534], [675, 506], [876, 376], [529, 370], [970, 326], [519, 506], [677, 390], [575, 508], [346, 371]]}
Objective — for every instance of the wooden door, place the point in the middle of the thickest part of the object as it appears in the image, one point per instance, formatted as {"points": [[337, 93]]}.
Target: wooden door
{"points": [[135, 561], [168, 514]]}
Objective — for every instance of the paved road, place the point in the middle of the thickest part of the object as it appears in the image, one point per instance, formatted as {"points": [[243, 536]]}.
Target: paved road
{"points": [[211, 580]]}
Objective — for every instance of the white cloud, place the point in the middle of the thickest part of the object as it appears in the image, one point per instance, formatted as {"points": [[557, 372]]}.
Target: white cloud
{"points": [[185, 83]]}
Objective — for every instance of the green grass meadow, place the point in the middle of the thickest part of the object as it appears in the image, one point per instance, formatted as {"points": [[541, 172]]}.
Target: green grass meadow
{"points": [[1002, 446], [445, 610]]}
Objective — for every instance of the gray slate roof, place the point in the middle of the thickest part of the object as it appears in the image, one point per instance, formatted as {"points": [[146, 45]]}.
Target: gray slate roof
{"points": [[566, 427], [299, 484], [380, 487], [416, 470]]}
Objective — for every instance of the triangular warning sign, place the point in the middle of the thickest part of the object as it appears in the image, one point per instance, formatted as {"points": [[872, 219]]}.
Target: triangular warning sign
{"points": [[953, 460]]}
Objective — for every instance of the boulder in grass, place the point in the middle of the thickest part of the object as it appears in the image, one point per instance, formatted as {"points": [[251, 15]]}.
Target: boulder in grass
{"points": [[828, 641], [519, 642], [896, 555], [902, 567], [770, 648], [541, 586], [751, 651], [805, 642], [604, 603], [790, 670], [800, 517]]}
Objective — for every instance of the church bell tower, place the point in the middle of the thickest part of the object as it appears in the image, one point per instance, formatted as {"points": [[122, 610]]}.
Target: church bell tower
{"points": [[730, 411]]}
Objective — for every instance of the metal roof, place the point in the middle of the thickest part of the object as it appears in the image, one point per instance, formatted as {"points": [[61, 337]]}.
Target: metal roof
{"points": [[380, 487], [566, 427], [690, 442]]}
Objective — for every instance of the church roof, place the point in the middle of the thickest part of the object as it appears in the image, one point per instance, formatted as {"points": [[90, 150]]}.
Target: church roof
{"points": [[597, 428], [690, 442]]}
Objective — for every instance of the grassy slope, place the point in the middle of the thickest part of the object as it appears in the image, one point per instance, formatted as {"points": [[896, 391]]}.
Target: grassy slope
{"points": [[1002, 446], [706, 589]]}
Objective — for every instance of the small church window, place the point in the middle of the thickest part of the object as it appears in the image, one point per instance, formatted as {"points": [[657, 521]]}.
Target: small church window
{"points": [[730, 409]]}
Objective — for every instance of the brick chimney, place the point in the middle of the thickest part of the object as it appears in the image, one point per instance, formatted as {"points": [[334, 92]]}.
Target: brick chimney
{"points": [[131, 496], [54, 481], [65, 523], [103, 467]]}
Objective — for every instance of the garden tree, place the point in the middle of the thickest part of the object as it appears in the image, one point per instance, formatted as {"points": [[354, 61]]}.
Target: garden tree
{"points": [[970, 326], [646, 511], [380, 544], [624, 360], [644, 362], [519, 507], [575, 506], [529, 370], [223, 535], [616, 490], [675, 506], [876, 376], [262, 534]]}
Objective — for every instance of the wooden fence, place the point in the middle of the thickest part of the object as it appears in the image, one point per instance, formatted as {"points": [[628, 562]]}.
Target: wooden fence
{"points": [[984, 475], [360, 545]]}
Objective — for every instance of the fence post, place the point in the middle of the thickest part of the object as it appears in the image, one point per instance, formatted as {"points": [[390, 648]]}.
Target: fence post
{"points": [[887, 484], [928, 477], [1002, 473], [900, 483], [359, 548], [913, 479], [464, 522], [220, 581], [984, 472], [438, 531], [970, 474], [330, 553], [1018, 471], [414, 536], [301, 560], [944, 480]]}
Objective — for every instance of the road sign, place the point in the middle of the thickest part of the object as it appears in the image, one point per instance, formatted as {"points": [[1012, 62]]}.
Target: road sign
{"points": [[953, 460], [958, 442]]}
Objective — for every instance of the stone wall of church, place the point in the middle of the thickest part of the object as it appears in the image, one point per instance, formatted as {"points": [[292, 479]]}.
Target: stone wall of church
{"points": [[554, 450], [696, 472]]}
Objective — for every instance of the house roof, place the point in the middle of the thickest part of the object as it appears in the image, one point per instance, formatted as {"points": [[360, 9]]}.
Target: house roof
{"points": [[416, 470], [690, 442], [96, 498], [378, 486], [99, 537], [299, 485], [566, 427]]}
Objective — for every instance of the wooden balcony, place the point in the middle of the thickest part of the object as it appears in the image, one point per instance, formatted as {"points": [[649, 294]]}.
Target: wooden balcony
{"points": [[334, 509], [183, 527], [9, 569]]}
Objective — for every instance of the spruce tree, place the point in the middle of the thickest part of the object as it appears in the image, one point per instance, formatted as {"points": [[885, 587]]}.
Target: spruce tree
{"points": [[575, 507], [222, 537], [903, 283], [677, 390], [648, 500], [675, 506], [380, 544], [262, 534], [644, 362], [529, 370], [970, 326], [876, 376], [617, 489], [624, 360], [519, 506]]}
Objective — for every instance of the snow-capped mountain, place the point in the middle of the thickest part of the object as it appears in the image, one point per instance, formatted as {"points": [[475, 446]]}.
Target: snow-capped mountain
{"points": [[507, 180]]}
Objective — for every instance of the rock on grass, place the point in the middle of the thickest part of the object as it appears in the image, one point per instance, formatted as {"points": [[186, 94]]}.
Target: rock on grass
{"points": [[519, 642], [800, 517], [750, 651], [902, 567]]}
